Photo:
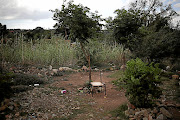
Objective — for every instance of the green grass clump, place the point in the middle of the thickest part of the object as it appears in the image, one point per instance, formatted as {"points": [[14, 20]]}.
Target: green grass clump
{"points": [[120, 112], [117, 74]]}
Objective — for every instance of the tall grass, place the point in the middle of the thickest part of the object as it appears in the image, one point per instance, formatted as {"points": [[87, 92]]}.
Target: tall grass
{"points": [[57, 51], [103, 53]]}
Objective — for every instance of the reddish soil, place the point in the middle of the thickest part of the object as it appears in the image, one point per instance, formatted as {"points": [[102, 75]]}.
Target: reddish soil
{"points": [[108, 102]]}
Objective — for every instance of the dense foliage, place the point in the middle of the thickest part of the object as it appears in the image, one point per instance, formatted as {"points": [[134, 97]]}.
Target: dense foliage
{"points": [[146, 28], [141, 81], [5, 84], [77, 20]]}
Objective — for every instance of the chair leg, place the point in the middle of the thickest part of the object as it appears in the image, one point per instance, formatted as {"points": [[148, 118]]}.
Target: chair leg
{"points": [[92, 90], [105, 89]]}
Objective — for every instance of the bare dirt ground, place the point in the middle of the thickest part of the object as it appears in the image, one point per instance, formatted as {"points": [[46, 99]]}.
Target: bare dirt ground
{"points": [[103, 103], [110, 101], [45, 102]]}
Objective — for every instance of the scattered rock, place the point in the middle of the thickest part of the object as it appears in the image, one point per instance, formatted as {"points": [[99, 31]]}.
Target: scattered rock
{"points": [[11, 107], [81, 88], [165, 112], [167, 67], [109, 115], [126, 113], [118, 118], [65, 69], [123, 67], [17, 114], [84, 68], [91, 115], [50, 67], [96, 69], [131, 112], [170, 105], [161, 117], [40, 75], [55, 71], [111, 69]]}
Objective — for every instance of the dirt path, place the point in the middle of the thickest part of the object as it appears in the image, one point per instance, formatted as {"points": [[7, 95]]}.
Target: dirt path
{"points": [[111, 101]]}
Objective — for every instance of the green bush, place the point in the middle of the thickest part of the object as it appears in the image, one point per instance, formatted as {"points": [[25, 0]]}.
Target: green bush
{"points": [[25, 79], [5, 85], [141, 82]]}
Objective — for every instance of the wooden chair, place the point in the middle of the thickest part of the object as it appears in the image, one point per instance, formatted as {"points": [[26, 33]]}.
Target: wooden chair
{"points": [[98, 85]]}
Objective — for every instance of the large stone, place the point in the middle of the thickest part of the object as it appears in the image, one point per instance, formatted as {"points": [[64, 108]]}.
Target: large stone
{"points": [[11, 107], [50, 67], [161, 117], [96, 69], [65, 69], [143, 112], [165, 112], [40, 75], [131, 112], [55, 71], [123, 67], [84, 68]]}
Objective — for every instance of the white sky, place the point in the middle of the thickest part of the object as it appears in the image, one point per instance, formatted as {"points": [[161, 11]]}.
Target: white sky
{"points": [[28, 14]]}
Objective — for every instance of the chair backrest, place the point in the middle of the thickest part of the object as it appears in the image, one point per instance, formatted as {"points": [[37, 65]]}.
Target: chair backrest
{"points": [[100, 71]]}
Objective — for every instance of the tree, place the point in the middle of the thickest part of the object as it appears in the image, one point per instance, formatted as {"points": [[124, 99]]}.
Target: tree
{"points": [[140, 29], [3, 32], [80, 22]]}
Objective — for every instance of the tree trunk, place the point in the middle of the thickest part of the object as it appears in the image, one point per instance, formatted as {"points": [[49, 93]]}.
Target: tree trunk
{"points": [[65, 34], [89, 62], [87, 55]]}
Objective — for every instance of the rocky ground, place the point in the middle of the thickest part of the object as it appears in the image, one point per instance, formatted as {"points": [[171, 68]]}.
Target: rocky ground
{"points": [[65, 97], [46, 101], [167, 108]]}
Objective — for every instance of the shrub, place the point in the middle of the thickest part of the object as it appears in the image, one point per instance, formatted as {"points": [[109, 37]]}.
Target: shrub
{"points": [[5, 84], [25, 79], [141, 82]]}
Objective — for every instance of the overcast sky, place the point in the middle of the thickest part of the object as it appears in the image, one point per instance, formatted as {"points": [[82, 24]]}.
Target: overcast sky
{"points": [[28, 14]]}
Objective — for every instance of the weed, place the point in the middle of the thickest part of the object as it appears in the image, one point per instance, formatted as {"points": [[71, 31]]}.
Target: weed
{"points": [[117, 74], [120, 112], [24, 79]]}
